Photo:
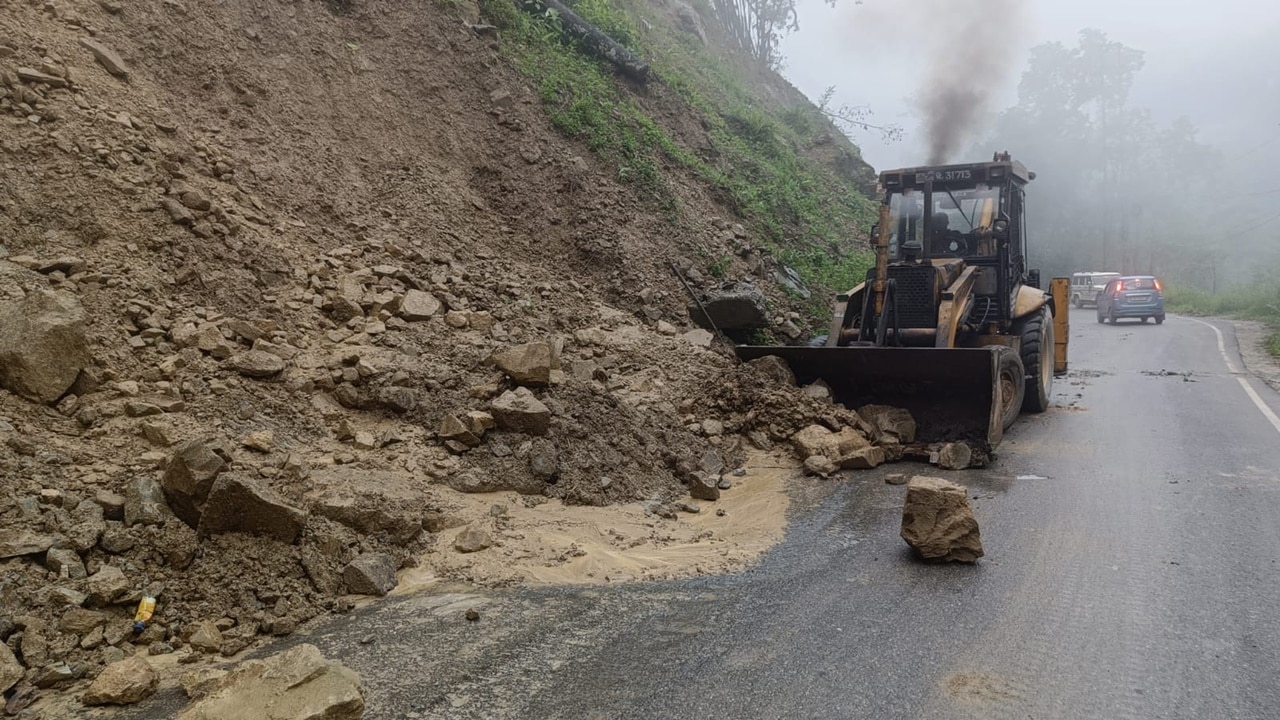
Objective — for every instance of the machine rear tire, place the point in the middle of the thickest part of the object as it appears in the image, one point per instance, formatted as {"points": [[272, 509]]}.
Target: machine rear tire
{"points": [[1012, 381], [1077, 301], [1159, 319], [1037, 360]]}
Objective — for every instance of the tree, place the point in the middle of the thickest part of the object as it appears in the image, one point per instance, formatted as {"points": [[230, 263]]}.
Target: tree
{"points": [[851, 117], [757, 26], [1116, 191]]}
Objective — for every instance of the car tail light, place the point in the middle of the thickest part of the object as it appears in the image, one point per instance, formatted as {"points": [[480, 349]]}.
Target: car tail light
{"points": [[1159, 287]]}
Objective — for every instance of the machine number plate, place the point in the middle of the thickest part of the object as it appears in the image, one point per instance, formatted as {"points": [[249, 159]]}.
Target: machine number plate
{"points": [[944, 176]]}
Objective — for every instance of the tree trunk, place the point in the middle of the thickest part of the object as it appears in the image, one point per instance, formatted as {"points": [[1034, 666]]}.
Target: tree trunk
{"points": [[605, 46]]}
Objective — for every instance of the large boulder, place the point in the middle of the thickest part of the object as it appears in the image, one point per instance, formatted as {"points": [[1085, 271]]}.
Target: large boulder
{"points": [[502, 480], [106, 586], [257, 364], [529, 364], [108, 58], [955, 456], [544, 460], [938, 522], [16, 542], [190, 474], [688, 20], [371, 574], [144, 502], [452, 428], [863, 459], [123, 682], [206, 638], [818, 440], [65, 562], [741, 307], [418, 305], [820, 465], [240, 503], [775, 368], [42, 345], [704, 486], [892, 423], [78, 621], [472, 539], [11, 670], [519, 411], [297, 684], [368, 501]]}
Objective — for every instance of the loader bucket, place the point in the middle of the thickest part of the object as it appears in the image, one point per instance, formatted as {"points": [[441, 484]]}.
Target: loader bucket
{"points": [[952, 393]]}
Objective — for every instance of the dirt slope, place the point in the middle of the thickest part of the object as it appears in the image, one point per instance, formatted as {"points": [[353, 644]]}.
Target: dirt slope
{"points": [[299, 238]]}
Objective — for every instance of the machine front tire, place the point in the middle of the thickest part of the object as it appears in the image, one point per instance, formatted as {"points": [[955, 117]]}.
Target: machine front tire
{"points": [[1012, 381], [1037, 360]]}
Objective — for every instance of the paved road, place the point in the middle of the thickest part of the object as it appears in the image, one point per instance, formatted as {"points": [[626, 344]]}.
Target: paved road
{"points": [[1132, 537]]}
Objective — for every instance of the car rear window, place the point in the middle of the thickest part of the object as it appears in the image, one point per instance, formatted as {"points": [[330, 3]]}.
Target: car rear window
{"points": [[1140, 284]]}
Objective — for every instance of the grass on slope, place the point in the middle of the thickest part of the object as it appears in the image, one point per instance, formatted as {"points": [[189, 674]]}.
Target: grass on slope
{"points": [[808, 215], [1259, 301]]}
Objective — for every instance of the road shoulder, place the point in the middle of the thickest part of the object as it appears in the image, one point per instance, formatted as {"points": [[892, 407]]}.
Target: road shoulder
{"points": [[1250, 335]]}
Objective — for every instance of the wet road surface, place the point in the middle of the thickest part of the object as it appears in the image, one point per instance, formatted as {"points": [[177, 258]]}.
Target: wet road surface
{"points": [[1132, 537]]}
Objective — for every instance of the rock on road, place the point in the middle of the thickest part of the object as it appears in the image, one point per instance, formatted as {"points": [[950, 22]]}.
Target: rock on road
{"points": [[1132, 537]]}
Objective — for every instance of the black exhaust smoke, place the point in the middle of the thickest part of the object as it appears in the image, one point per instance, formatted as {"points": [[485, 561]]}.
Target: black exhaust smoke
{"points": [[972, 46]]}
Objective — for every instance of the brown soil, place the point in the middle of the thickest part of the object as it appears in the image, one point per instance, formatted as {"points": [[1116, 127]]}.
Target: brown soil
{"points": [[258, 162]]}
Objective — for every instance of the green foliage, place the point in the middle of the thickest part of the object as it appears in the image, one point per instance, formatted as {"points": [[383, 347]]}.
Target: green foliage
{"points": [[808, 214], [840, 271], [760, 167], [610, 19], [581, 97], [755, 127], [1257, 301], [757, 26], [826, 272], [720, 268], [503, 14], [802, 121]]}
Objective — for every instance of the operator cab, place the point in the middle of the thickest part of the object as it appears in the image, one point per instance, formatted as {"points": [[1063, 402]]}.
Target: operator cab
{"points": [[944, 219], [963, 223]]}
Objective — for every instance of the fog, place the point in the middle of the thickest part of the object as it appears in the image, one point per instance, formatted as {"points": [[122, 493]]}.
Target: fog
{"points": [[1155, 134]]}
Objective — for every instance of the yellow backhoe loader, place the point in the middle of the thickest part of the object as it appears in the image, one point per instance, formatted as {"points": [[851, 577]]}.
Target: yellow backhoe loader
{"points": [[950, 324]]}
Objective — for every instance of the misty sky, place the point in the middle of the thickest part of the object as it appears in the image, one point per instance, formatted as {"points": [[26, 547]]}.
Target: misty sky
{"points": [[1212, 60]]}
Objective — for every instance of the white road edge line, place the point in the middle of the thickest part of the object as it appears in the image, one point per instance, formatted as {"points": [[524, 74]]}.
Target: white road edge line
{"points": [[1248, 389]]}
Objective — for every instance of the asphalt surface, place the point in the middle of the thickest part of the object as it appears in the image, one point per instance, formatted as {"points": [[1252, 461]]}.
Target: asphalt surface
{"points": [[1132, 536]]}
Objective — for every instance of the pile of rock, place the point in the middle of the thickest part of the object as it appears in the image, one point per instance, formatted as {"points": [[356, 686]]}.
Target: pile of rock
{"points": [[879, 436], [248, 404]]}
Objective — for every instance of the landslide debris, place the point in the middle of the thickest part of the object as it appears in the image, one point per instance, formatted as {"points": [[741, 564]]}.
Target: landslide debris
{"points": [[278, 288]]}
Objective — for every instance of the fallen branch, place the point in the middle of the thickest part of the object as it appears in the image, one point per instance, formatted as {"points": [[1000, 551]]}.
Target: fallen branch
{"points": [[608, 48], [849, 116]]}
